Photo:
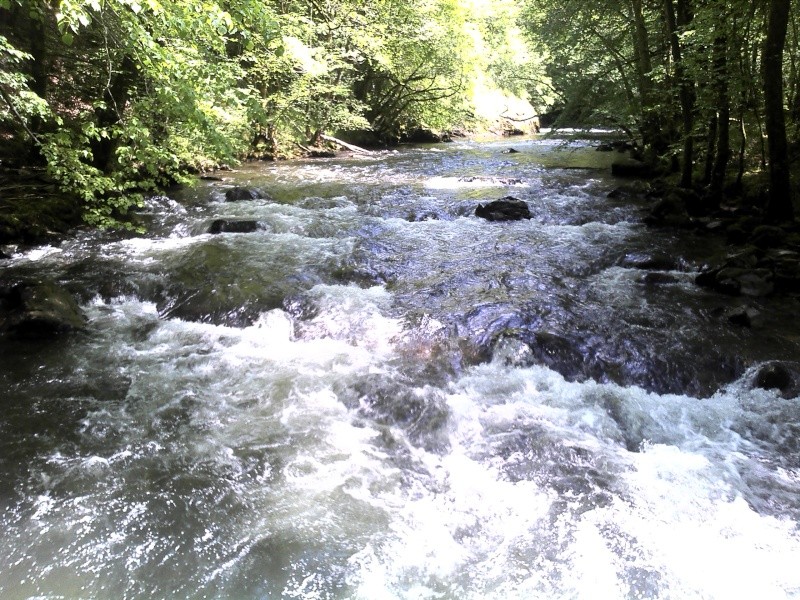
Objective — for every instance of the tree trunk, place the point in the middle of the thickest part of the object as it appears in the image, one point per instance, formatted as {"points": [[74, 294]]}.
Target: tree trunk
{"points": [[650, 129], [115, 97], [711, 147], [723, 116], [779, 205], [685, 86]]}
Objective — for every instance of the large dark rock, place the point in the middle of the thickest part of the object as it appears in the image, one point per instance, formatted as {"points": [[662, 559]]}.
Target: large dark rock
{"points": [[505, 209], [558, 353], [669, 212], [742, 316], [39, 310], [777, 375], [233, 226], [523, 348], [768, 236], [223, 281], [425, 136], [738, 281], [238, 194], [786, 269], [747, 273], [630, 167]]}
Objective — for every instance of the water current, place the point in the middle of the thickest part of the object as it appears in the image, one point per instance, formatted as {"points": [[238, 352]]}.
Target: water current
{"points": [[377, 395]]}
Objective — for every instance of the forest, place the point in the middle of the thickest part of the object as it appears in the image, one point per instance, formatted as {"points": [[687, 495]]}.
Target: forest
{"points": [[108, 100]]}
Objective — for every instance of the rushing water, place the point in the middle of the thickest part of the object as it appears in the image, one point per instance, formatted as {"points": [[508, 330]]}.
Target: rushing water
{"points": [[377, 395]]}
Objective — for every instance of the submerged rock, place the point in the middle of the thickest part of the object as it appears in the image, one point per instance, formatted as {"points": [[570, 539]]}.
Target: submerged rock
{"points": [[778, 376], [657, 278], [238, 194], [233, 226], [39, 310], [650, 262], [505, 209]]}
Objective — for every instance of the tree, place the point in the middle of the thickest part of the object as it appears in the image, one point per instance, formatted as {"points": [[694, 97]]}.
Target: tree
{"points": [[779, 206]]}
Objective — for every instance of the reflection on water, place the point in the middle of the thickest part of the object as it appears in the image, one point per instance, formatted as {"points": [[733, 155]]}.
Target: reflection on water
{"points": [[378, 395]]}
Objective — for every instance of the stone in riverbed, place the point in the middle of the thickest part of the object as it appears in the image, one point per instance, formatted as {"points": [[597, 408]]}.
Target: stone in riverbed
{"points": [[39, 310], [768, 236], [742, 316], [738, 281], [238, 194], [630, 167], [775, 376], [505, 209], [233, 226]]}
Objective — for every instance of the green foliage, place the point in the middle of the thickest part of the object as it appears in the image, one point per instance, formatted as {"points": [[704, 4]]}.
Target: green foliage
{"points": [[120, 97], [19, 104]]}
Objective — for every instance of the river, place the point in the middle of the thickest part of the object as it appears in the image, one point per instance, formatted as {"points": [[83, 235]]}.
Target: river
{"points": [[377, 395]]}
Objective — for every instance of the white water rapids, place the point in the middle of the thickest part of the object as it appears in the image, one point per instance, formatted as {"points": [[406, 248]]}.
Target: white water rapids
{"points": [[332, 451]]}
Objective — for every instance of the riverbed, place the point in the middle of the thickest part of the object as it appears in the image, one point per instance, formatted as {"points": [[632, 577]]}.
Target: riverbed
{"points": [[375, 394]]}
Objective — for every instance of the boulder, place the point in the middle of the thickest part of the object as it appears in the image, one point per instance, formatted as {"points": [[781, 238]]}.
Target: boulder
{"points": [[786, 267], [776, 375], [739, 231], [669, 212], [233, 226], [742, 316], [630, 167], [735, 281], [505, 209], [558, 353], [39, 310], [768, 236], [237, 194], [523, 348], [425, 136]]}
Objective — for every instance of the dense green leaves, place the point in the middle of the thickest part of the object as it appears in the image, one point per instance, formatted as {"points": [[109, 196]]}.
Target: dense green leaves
{"points": [[118, 97], [690, 79]]}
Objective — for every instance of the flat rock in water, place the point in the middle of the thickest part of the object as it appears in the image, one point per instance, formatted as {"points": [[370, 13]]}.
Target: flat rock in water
{"points": [[505, 209]]}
